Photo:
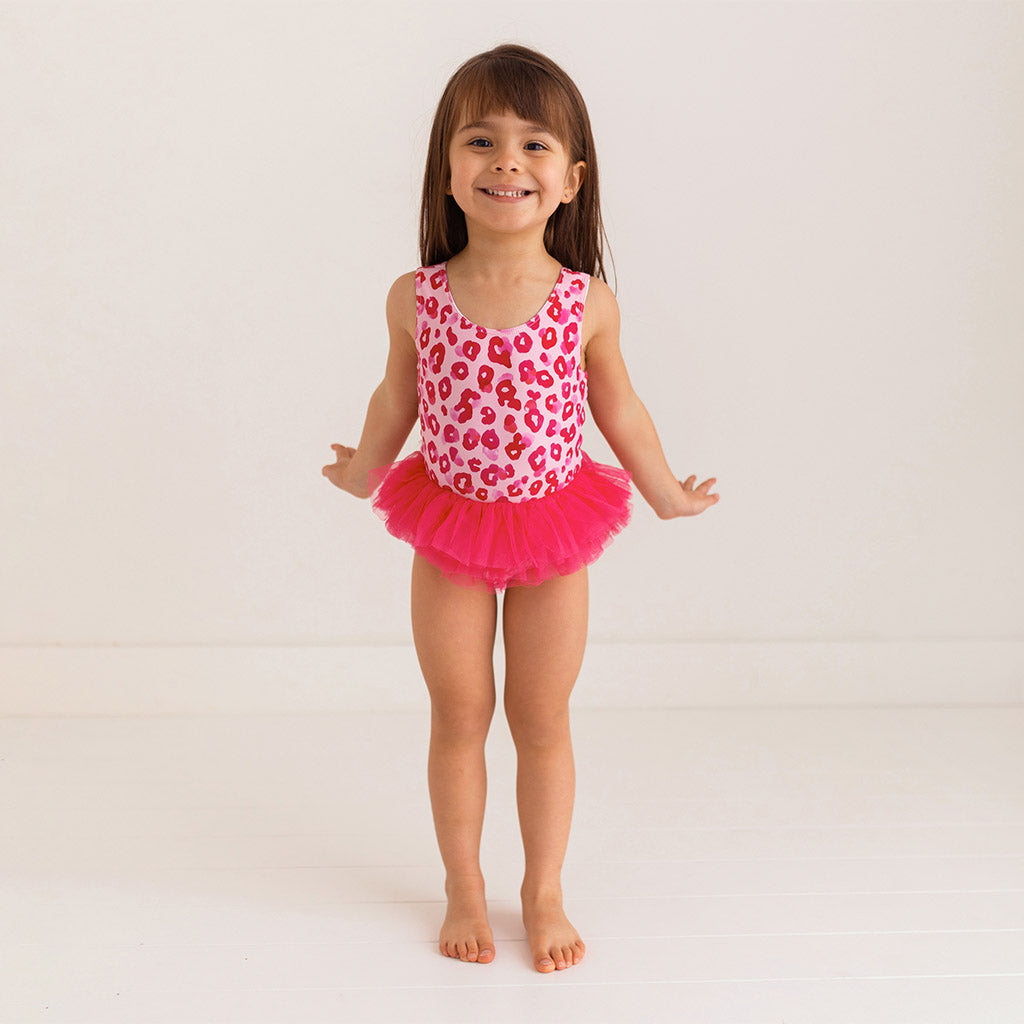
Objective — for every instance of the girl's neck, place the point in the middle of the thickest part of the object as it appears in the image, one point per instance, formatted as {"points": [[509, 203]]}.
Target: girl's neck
{"points": [[502, 259]]}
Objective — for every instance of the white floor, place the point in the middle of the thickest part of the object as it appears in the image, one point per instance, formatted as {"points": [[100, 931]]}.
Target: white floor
{"points": [[740, 866]]}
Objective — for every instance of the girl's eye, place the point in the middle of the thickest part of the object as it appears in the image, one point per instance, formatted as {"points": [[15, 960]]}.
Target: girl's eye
{"points": [[534, 147]]}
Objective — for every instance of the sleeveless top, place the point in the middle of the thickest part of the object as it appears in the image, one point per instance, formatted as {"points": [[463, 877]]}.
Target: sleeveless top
{"points": [[501, 410]]}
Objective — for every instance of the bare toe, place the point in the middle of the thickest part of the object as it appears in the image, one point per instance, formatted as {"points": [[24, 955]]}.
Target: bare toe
{"points": [[466, 934], [555, 943]]}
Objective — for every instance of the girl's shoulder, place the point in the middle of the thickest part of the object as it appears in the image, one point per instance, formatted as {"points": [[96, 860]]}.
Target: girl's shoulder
{"points": [[601, 312], [599, 292], [404, 286], [401, 303]]}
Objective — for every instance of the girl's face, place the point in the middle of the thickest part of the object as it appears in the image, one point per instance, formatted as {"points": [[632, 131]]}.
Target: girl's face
{"points": [[509, 175]]}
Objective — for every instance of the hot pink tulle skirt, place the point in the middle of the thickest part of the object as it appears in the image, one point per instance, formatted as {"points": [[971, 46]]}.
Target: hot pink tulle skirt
{"points": [[498, 544]]}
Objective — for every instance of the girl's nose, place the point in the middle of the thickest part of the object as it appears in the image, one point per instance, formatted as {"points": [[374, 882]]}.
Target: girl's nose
{"points": [[505, 162]]}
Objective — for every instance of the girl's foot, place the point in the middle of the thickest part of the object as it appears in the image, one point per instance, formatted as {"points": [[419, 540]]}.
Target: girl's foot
{"points": [[554, 943], [466, 933]]}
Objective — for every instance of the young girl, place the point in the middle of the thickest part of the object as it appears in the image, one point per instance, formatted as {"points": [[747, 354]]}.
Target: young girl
{"points": [[495, 344]]}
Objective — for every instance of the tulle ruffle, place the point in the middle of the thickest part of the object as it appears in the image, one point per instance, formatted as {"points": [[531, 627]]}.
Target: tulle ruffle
{"points": [[501, 543]]}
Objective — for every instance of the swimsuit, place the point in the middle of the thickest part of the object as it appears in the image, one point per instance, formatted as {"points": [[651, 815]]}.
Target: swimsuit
{"points": [[501, 492]]}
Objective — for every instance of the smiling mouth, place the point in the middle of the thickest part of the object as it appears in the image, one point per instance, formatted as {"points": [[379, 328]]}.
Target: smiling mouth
{"points": [[507, 193]]}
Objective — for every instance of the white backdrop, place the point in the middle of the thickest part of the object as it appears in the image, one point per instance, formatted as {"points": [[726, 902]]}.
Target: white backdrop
{"points": [[815, 212]]}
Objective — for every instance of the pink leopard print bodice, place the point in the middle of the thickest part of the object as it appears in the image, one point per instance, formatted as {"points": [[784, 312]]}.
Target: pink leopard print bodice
{"points": [[501, 411]]}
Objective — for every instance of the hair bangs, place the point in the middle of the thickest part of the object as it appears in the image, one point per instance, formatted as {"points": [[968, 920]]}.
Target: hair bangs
{"points": [[502, 85]]}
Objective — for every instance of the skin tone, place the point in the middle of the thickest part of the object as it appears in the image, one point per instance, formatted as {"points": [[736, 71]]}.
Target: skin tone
{"points": [[501, 279]]}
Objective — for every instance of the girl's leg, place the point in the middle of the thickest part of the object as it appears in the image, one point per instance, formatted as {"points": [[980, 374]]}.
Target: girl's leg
{"points": [[454, 628], [545, 630]]}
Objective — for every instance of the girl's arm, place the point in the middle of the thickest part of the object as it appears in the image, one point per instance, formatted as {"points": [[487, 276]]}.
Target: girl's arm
{"points": [[393, 408], [623, 419]]}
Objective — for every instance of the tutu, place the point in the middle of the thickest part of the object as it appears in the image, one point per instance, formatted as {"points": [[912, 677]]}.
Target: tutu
{"points": [[502, 543]]}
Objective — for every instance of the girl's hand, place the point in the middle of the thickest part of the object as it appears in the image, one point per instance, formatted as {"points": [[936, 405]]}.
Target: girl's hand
{"points": [[689, 500], [339, 475]]}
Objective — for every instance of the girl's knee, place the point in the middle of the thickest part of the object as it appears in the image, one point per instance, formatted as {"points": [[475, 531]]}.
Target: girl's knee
{"points": [[537, 723], [463, 720]]}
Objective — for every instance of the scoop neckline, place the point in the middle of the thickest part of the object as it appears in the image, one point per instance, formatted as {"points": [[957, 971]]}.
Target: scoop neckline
{"points": [[515, 327]]}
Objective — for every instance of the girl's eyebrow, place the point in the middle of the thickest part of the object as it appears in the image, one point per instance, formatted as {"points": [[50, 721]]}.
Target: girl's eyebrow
{"points": [[532, 128]]}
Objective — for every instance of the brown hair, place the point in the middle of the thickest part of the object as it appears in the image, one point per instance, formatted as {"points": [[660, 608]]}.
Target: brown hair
{"points": [[515, 78]]}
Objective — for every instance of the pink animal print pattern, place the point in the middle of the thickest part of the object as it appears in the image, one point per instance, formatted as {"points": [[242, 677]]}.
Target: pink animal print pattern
{"points": [[501, 411]]}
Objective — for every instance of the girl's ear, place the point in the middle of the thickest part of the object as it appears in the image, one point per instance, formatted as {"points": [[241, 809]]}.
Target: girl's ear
{"points": [[573, 180]]}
